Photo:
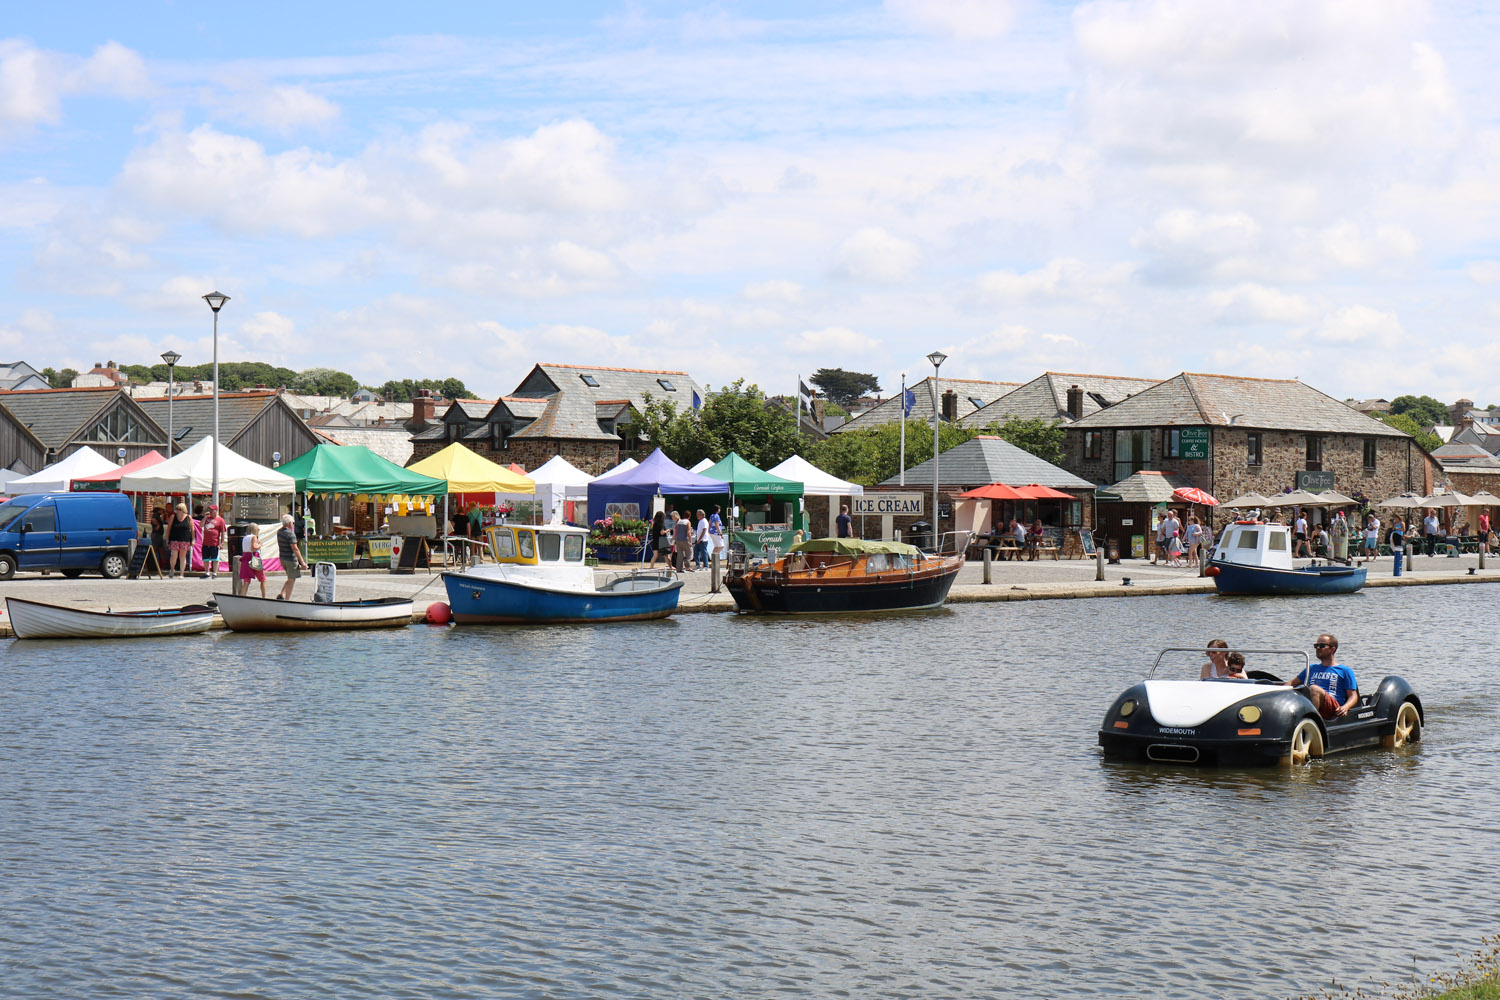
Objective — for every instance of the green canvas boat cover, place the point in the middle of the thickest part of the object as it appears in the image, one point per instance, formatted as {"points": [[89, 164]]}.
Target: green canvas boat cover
{"points": [[352, 468], [855, 547], [744, 478]]}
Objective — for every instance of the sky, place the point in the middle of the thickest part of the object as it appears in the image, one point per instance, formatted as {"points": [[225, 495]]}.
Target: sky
{"points": [[1279, 189]]}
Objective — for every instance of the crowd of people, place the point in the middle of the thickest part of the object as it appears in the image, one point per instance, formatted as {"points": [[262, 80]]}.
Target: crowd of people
{"points": [[1179, 541], [686, 540], [174, 534]]}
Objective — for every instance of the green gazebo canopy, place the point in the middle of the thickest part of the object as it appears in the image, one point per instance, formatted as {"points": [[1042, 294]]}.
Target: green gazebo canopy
{"points": [[744, 478], [353, 468]]}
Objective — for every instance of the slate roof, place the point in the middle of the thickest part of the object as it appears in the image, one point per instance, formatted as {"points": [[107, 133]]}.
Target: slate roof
{"points": [[1046, 397], [236, 411], [571, 412], [55, 416], [988, 459], [1148, 486], [1486, 436], [15, 375], [389, 442], [1195, 400], [967, 390]]}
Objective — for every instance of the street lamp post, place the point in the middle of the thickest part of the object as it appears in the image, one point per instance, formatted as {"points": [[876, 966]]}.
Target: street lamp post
{"points": [[937, 358], [171, 358], [216, 302]]}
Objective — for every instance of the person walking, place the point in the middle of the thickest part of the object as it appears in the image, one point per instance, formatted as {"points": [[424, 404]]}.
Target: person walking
{"points": [[1299, 536], [1194, 538], [844, 522], [250, 562], [213, 532], [1161, 540], [700, 541], [1372, 536], [180, 541], [661, 547], [716, 539], [682, 534], [1484, 528], [1430, 530], [160, 520], [292, 562]]}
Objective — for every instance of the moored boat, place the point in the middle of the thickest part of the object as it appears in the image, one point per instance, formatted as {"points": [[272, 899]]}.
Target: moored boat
{"points": [[35, 620], [1253, 558], [243, 613], [840, 575], [541, 576]]}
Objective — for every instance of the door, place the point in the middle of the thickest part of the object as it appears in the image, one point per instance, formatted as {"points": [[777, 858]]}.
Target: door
{"points": [[39, 539]]}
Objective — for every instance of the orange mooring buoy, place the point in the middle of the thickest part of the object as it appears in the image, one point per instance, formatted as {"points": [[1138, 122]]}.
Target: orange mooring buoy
{"points": [[439, 613]]}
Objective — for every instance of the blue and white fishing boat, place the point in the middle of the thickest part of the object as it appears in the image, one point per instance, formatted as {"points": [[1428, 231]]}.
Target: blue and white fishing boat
{"points": [[1254, 558], [541, 576]]}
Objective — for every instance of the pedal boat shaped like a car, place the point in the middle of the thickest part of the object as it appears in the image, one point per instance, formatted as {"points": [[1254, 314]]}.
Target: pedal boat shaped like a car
{"points": [[840, 575], [1254, 558], [1254, 721], [541, 576]]}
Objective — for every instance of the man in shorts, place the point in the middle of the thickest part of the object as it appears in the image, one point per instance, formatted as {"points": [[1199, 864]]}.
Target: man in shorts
{"points": [[291, 556], [1330, 686]]}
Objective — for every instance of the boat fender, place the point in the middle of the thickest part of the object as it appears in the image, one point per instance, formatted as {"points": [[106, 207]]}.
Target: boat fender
{"points": [[438, 613], [1211, 571]]}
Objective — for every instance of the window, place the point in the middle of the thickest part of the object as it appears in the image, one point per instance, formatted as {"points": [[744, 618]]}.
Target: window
{"points": [[1276, 541], [42, 517], [503, 542], [590, 381], [573, 548], [1252, 449], [666, 384], [1314, 453], [550, 544], [1248, 540], [877, 562], [118, 425], [1093, 444], [1132, 453], [976, 402], [1369, 454], [1171, 442], [526, 543]]}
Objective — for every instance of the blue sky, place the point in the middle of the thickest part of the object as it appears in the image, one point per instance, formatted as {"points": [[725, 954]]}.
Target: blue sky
{"points": [[1138, 188]]}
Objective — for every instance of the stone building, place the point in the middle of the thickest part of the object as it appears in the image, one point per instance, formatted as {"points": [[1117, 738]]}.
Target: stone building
{"points": [[958, 399], [1060, 396], [1230, 435]]}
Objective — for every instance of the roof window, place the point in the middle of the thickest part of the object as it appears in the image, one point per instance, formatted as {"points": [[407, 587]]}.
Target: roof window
{"points": [[978, 403], [667, 385], [590, 381]]}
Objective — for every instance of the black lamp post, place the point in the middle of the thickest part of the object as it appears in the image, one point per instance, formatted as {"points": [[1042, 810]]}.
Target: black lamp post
{"points": [[171, 358], [216, 302]]}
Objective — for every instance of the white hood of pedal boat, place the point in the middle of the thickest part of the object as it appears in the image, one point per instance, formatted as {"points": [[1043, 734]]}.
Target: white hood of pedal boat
{"points": [[1192, 703]]}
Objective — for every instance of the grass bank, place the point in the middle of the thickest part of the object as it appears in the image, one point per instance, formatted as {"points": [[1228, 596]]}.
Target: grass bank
{"points": [[1477, 978]]}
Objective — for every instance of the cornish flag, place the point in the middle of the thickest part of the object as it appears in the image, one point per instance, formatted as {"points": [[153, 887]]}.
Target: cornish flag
{"points": [[804, 393]]}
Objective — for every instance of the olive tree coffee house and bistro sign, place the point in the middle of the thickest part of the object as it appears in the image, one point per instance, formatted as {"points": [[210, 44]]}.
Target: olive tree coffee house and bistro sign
{"points": [[1192, 442]]}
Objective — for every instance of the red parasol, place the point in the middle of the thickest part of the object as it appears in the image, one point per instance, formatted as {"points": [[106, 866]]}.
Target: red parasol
{"points": [[994, 491], [1192, 494]]}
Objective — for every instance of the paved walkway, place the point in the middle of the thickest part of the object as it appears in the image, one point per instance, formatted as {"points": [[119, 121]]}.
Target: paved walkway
{"points": [[1044, 579]]}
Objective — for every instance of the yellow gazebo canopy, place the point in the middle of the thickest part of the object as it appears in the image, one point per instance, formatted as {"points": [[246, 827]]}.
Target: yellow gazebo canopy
{"points": [[467, 472]]}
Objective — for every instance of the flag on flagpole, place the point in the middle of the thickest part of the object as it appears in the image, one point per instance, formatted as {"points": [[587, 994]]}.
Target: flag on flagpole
{"points": [[804, 394], [908, 400], [697, 400]]}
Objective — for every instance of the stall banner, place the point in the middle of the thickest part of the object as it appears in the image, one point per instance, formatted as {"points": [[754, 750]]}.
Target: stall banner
{"points": [[329, 550], [380, 551], [880, 504], [756, 542]]}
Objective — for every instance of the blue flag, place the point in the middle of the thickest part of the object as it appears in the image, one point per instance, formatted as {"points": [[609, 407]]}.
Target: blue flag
{"points": [[907, 402], [696, 401]]}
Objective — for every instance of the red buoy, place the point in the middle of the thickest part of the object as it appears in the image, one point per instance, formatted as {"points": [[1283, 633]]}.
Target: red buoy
{"points": [[439, 613], [1211, 571]]}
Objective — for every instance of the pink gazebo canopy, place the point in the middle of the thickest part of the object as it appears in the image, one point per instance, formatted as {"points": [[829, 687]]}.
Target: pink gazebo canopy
{"points": [[144, 462]]}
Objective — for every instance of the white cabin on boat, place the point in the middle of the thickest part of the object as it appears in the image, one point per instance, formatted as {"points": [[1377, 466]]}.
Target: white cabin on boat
{"points": [[1252, 543]]}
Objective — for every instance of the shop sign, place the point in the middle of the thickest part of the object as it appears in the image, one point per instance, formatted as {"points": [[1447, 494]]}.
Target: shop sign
{"points": [[329, 550], [881, 504], [1314, 482], [1193, 442]]}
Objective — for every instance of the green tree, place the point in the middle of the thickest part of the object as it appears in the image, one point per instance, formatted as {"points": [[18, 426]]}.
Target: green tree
{"points": [[1043, 438], [454, 388], [324, 382], [873, 456], [844, 387], [736, 418], [60, 379], [1424, 410], [1404, 422]]}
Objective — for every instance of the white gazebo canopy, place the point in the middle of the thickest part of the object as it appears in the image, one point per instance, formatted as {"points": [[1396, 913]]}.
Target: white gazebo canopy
{"points": [[703, 463], [192, 472], [557, 480], [58, 477], [815, 482], [624, 466]]}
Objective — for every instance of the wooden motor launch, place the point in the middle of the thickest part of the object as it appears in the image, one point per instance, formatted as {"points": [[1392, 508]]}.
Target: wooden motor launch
{"points": [[848, 575]]}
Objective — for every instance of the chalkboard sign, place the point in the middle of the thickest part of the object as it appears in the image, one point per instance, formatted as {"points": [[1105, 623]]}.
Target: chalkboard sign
{"points": [[1086, 539], [414, 553], [143, 563]]}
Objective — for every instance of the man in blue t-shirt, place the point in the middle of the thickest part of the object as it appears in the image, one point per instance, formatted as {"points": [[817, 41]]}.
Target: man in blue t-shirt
{"points": [[1330, 686]]}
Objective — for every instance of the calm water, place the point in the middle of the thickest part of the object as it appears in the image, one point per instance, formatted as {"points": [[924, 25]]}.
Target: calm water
{"points": [[718, 806]]}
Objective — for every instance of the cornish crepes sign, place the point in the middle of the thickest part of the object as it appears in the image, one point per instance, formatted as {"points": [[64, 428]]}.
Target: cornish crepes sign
{"points": [[881, 504]]}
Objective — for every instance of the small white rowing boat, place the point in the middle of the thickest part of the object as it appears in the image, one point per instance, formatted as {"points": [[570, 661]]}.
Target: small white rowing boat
{"points": [[266, 614], [35, 620]]}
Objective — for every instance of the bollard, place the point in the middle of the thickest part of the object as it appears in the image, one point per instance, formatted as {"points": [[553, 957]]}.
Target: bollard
{"points": [[234, 574], [986, 565], [1396, 554], [1481, 557], [1099, 564], [713, 573]]}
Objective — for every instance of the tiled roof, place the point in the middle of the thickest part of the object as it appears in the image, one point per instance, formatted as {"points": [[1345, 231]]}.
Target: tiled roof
{"points": [[392, 443], [1148, 486], [236, 411], [55, 416], [1046, 397], [988, 459], [1194, 400], [571, 410], [966, 389]]}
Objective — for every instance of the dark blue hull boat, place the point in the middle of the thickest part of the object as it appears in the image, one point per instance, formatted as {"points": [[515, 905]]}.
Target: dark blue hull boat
{"points": [[478, 599], [1238, 580]]}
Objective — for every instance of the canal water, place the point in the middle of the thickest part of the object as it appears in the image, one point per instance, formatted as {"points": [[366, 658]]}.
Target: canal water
{"points": [[903, 806]]}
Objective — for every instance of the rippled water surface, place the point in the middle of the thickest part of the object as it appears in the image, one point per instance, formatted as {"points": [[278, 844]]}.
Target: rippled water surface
{"points": [[720, 806]]}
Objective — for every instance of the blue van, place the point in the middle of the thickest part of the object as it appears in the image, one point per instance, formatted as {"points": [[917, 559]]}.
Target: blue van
{"points": [[72, 532]]}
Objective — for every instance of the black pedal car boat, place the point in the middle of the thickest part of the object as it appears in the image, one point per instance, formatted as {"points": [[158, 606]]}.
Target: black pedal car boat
{"points": [[1253, 721]]}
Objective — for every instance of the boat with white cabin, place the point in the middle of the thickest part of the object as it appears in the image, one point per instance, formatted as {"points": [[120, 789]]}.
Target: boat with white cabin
{"points": [[1254, 557], [541, 575]]}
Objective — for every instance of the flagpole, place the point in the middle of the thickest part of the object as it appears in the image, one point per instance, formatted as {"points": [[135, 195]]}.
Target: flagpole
{"points": [[903, 428], [799, 404]]}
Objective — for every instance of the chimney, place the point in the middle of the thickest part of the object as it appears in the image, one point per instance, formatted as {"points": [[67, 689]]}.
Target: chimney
{"points": [[422, 409], [950, 406], [1075, 402]]}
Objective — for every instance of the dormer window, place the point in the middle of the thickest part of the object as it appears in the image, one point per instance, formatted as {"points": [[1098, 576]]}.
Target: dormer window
{"points": [[666, 384], [590, 381]]}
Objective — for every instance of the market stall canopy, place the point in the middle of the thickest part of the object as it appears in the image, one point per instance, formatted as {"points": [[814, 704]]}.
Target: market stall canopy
{"points": [[152, 457], [193, 472], [702, 465], [518, 470], [1246, 502], [745, 479], [632, 489], [466, 472], [815, 482], [1192, 494], [58, 477], [624, 466], [354, 469], [855, 547], [562, 475], [1403, 502]]}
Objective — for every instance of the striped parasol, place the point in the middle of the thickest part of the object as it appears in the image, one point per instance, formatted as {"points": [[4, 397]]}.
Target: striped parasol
{"points": [[1192, 494]]}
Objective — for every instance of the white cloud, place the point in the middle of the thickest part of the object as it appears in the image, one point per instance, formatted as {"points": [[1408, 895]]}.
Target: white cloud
{"points": [[874, 254], [1064, 279], [789, 292], [1361, 326], [969, 20], [33, 82], [283, 108], [1484, 272], [269, 332], [832, 342], [1250, 303]]}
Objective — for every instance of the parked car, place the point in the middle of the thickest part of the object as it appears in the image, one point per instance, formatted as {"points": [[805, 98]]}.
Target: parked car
{"points": [[71, 532]]}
